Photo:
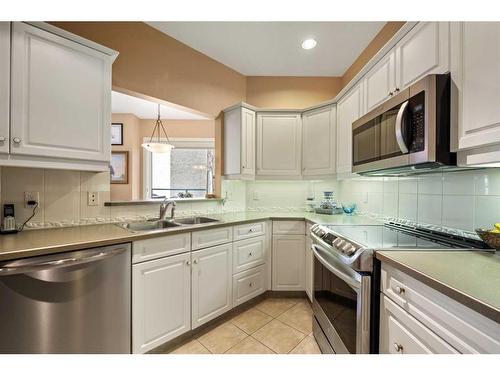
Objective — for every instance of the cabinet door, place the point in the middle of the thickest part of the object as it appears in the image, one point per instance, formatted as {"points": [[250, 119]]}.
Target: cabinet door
{"points": [[476, 74], [318, 142], [4, 86], [288, 262], [279, 141], [61, 95], [349, 109], [212, 286], [424, 50], [400, 333], [247, 142], [160, 301], [309, 268], [380, 82]]}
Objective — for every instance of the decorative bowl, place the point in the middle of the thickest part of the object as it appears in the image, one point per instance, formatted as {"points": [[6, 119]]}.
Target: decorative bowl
{"points": [[492, 239], [349, 208]]}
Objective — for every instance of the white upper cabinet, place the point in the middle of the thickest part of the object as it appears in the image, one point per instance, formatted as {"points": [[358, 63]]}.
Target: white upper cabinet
{"points": [[279, 144], [380, 82], [349, 109], [60, 98], [424, 50], [4, 86], [475, 69], [318, 141], [239, 147]]}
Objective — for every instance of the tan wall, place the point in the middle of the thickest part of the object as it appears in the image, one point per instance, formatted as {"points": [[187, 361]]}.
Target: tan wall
{"points": [[154, 64], [132, 144], [383, 36], [291, 92], [181, 128]]}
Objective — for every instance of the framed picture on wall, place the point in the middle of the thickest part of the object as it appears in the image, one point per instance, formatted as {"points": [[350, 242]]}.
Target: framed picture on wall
{"points": [[117, 134], [119, 167]]}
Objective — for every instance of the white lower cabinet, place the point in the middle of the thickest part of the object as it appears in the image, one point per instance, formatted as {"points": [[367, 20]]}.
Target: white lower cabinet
{"points": [[309, 268], [248, 253], [161, 291], [288, 262], [212, 285], [249, 284], [400, 333]]}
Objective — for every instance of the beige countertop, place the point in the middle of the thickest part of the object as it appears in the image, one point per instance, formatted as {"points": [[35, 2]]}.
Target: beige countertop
{"points": [[469, 277], [48, 241]]}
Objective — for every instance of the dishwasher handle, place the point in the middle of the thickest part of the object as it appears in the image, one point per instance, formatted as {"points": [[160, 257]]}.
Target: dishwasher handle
{"points": [[6, 269]]}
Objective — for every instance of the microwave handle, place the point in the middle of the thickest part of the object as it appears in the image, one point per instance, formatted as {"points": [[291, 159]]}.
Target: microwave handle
{"points": [[399, 128]]}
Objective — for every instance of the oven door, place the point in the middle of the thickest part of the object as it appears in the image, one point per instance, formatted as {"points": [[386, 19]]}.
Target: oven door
{"points": [[341, 303]]}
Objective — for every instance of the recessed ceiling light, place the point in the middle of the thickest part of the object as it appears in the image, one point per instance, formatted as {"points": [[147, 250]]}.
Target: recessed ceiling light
{"points": [[309, 44]]}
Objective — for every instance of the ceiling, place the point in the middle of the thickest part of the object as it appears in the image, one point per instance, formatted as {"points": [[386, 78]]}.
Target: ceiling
{"points": [[274, 48], [145, 109]]}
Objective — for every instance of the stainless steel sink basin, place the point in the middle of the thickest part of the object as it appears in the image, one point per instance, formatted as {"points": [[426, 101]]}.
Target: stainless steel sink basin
{"points": [[142, 226], [154, 225], [195, 220]]}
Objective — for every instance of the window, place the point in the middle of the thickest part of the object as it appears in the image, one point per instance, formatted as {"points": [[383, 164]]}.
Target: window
{"points": [[186, 171]]}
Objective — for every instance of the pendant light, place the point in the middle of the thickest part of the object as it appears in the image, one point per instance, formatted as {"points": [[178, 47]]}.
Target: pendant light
{"points": [[155, 143]]}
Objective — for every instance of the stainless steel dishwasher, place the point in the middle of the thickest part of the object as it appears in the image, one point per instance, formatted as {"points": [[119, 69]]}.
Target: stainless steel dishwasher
{"points": [[74, 302]]}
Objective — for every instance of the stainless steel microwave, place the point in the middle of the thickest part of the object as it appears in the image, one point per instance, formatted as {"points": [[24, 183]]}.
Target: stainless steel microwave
{"points": [[408, 134]]}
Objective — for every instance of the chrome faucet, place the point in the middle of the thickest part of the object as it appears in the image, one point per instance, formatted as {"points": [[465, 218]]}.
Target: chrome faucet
{"points": [[164, 207]]}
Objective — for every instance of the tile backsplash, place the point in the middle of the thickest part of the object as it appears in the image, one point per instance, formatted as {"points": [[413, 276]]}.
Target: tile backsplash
{"points": [[63, 198], [464, 200]]}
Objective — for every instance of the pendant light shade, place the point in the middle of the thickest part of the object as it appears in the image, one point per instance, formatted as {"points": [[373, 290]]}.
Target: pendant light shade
{"points": [[155, 143]]}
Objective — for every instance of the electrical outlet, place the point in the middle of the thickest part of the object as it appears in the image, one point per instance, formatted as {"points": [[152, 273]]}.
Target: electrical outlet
{"points": [[31, 196], [92, 198]]}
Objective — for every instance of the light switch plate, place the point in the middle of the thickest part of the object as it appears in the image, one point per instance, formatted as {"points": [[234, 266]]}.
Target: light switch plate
{"points": [[31, 196], [92, 198]]}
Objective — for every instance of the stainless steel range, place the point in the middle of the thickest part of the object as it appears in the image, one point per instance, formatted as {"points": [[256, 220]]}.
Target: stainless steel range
{"points": [[345, 288]]}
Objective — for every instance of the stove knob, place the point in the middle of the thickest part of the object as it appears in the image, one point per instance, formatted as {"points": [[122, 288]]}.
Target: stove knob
{"points": [[339, 243], [349, 249]]}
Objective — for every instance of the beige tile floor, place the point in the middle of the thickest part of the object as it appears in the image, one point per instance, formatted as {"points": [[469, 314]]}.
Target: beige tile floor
{"points": [[274, 326]]}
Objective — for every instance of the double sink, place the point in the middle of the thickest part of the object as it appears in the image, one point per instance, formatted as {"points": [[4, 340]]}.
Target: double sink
{"points": [[155, 224]]}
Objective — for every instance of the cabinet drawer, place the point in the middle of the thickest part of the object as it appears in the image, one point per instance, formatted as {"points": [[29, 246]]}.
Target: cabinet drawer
{"points": [[289, 227], [211, 237], [159, 247], [464, 329], [240, 232], [248, 284], [400, 333], [248, 253]]}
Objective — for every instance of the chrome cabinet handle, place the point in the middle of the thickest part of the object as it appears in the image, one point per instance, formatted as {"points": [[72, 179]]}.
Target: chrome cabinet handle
{"points": [[396, 89], [16, 140], [2, 139], [188, 262], [399, 290], [398, 347], [195, 261], [250, 230], [250, 254], [250, 285], [390, 93]]}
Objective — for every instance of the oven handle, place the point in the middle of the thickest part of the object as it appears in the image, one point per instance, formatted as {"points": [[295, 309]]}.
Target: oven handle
{"points": [[352, 282], [399, 128]]}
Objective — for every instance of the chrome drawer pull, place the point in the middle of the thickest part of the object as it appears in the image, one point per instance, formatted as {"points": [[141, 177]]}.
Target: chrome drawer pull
{"points": [[399, 290], [398, 347]]}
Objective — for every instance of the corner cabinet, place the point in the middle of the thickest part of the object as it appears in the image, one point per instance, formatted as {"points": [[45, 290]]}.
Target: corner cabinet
{"points": [[279, 145], [60, 99], [475, 71], [4, 86], [318, 141], [349, 109], [239, 148]]}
